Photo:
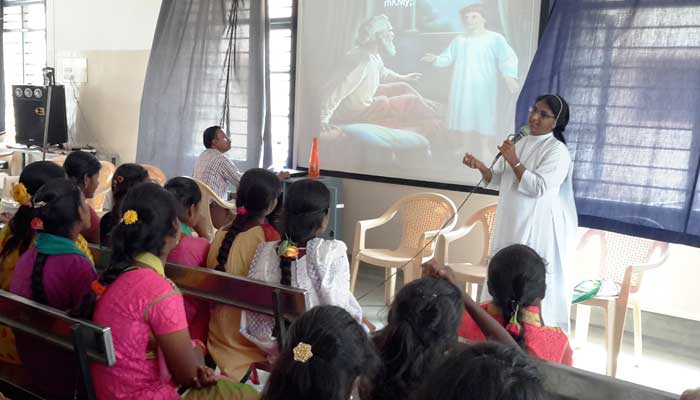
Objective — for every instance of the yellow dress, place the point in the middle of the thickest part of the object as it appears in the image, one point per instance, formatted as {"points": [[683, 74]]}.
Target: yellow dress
{"points": [[232, 352], [8, 346]]}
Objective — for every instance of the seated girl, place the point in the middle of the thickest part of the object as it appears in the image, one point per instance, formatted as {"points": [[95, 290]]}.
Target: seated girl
{"points": [[155, 354], [232, 251], [516, 281], [484, 371], [18, 235], [191, 251], [84, 169], [125, 177], [327, 355], [421, 329], [55, 272], [303, 260]]}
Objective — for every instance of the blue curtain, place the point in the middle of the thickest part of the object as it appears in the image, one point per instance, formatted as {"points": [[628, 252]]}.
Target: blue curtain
{"points": [[630, 70]]}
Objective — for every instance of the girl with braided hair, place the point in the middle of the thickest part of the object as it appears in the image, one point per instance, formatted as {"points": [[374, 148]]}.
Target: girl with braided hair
{"points": [[517, 283], [55, 272], [232, 251], [303, 259], [156, 357]]}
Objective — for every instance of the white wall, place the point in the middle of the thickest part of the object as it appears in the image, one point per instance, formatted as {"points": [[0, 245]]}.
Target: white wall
{"points": [[115, 37]]}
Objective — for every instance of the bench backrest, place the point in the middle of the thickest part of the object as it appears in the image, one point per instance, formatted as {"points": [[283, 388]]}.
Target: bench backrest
{"points": [[56, 327], [223, 288], [566, 383], [89, 342]]}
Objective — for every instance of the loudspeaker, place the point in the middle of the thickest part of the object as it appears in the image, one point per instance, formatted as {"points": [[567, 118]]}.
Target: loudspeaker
{"points": [[30, 114]]}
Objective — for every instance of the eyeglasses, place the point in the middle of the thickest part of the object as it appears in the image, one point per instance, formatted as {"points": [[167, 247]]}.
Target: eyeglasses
{"points": [[541, 114]]}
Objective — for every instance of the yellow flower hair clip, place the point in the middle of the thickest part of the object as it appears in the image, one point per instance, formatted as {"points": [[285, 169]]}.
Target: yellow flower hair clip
{"points": [[21, 195], [302, 352], [130, 217], [288, 250]]}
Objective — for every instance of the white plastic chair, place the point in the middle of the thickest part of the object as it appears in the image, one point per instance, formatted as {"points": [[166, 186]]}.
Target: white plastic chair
{"points": [[471, 274], [422, 215], [623, 260], [208, 197]]}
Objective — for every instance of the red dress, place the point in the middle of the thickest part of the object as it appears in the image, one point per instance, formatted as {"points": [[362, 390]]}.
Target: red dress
{"points": [[543, 342]]}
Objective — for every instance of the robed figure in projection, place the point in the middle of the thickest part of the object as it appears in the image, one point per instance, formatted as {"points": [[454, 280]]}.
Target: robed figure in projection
{"points": [[480, 58]]}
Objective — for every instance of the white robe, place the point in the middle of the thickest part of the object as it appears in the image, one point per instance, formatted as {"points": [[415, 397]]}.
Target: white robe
{"points": [[478, 61], [539, 211]]}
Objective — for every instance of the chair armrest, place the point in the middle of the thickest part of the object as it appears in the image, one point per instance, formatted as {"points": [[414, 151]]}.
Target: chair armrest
{"points": [[637, 268], [222, 203], [363, 226], [457, 233], [446, 238]]}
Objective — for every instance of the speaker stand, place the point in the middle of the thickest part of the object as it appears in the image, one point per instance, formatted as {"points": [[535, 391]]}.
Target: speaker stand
{"points": [[44, 147]]}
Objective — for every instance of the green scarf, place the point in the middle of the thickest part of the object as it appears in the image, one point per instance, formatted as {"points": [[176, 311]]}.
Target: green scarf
{"points": [[186, 230], [53, 245]]}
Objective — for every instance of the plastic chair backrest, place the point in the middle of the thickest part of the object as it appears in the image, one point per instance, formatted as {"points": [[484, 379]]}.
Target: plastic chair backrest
{"points": [[424, 212], [155, 174], [208, 196], [105, 185], [486, 217], [618, 251]]}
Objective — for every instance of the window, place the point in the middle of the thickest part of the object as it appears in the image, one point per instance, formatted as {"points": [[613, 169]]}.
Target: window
{"points": [[282, 24], [24, 44]]}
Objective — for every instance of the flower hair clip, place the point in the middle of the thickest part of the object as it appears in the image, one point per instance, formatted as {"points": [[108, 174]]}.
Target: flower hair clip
{"points": [[37, 224], [288, 250], [514, 327], [21, 195], [98, 288], [241, 211], [302, 352], [130, 217]]}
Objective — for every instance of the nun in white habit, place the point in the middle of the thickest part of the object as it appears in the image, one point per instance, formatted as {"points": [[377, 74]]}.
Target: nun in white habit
{"points": [[536, 201]]}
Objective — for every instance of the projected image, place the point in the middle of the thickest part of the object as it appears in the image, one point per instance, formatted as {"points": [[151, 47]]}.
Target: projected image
{"points": [[414, 83]]}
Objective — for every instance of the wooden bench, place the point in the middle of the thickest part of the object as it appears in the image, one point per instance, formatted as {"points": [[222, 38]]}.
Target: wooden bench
{"points": [[566, 383], [283, 303], [89, 342]]}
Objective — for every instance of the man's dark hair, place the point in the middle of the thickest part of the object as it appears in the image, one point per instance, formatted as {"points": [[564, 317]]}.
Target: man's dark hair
{"points": [[210, 135]]}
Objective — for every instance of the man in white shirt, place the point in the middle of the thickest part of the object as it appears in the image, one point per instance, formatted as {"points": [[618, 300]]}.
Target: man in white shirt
{"points": [[219, 172], [365, 91], [213, 167]]}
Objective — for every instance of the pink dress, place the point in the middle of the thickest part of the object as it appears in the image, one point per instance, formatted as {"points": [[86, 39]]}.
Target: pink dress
{"points": [[137, 306], [66, 278], [192, 252]]}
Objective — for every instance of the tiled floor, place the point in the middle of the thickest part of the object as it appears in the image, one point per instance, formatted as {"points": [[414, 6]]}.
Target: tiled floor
{"points": [[664, 366]]}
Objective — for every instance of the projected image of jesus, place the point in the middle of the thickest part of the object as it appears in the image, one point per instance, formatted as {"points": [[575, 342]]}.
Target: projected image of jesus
{"points": [[364, 90], [480, 58]]}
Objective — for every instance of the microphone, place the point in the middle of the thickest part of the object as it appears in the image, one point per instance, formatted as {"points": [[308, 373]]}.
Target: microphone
{"points": [[515, 138]]}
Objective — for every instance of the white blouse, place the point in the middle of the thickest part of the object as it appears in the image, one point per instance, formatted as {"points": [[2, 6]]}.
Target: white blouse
{"points": [[324, 271]]}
